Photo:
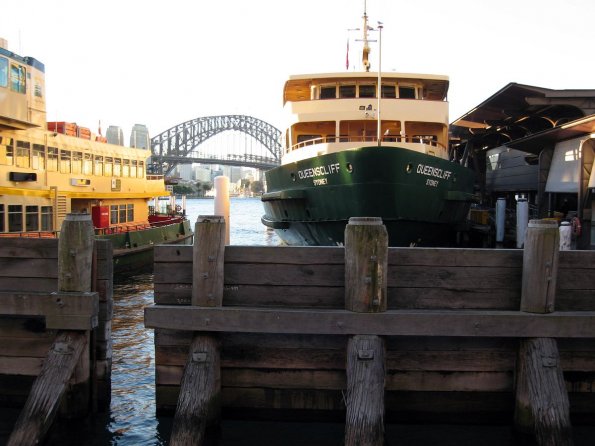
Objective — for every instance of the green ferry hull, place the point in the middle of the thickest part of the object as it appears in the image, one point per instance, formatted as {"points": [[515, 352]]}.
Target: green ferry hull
{"points": [[421, 199], [133, 250]]}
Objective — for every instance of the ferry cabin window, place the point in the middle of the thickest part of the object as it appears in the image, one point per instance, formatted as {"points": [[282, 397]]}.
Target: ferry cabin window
{"points": [[133, 168], [129, 212], [122, 212], [23, 154], [328, 92], [2, 229], [3, 72], [113, 214], [367, 91], [117, 167], [141, 169], [6, 151], [98, 165], [389, 91], [47, 218], [52, 159], [406, 92], [87, 164], [31, 219], [17, 78], [38, 158], [65, 160], [125, 168], [15, 218], [346, 91], [77, 162], [108, 166], [304, 138]]}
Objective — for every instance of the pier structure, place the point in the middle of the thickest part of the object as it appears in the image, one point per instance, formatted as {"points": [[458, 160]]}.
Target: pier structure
{"points": [[55, 327], [372, 334]]}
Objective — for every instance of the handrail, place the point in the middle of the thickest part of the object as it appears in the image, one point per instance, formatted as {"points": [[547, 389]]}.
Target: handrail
{"points": [[373, 139]]}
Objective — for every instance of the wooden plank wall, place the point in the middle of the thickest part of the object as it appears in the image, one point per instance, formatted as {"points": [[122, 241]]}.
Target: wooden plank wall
{"points": [[426, 376], [31, 265]]}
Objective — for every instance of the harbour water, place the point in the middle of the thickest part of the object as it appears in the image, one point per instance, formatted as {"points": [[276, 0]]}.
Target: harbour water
{"points": [[132, 420]]}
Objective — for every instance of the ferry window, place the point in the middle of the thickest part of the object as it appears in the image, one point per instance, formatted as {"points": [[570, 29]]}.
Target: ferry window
{"points": [[65, 157], [125, 168], [98, 165], [15, 218], [389, 91], [347, 91], [108, 166], [407, 92], [122, 216], [47, 218], [87, 164], [2, 229], [133, 168], [52, 159], [329, 92], [31, 218], [117, 167], [38, 159], [304, 138], [17, 78], [3, 72], [113, 214], [23, 154], [129, 212], [367, 91], [77, 162], [6, 151], [141, 169]]}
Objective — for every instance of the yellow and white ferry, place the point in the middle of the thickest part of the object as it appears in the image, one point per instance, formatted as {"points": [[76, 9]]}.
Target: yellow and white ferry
{"points": [[48, 170]]}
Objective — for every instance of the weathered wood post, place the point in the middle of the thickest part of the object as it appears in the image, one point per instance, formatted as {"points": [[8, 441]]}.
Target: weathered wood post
{"points": [[541, 406], [69, 355], [200, 388], [366, 254]]}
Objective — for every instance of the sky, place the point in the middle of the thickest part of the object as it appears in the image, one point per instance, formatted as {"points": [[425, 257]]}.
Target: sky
{"points": [[161, 63]]}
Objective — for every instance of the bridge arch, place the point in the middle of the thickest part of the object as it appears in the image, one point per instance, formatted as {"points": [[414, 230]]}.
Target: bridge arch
{"points": [[177, 145]]}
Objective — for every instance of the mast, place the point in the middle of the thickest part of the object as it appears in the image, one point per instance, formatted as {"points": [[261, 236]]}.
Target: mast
{"points": [[366, 50]]}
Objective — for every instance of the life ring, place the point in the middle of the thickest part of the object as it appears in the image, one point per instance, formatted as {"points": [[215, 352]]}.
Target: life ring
{"points": [[577, 228]]}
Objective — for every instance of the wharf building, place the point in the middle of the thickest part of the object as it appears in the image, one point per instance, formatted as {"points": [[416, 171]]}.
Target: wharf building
{"points": [[538, 144]]}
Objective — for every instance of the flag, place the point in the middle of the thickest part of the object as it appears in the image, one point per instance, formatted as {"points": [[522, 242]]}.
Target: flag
{"points": [[347, 56]]}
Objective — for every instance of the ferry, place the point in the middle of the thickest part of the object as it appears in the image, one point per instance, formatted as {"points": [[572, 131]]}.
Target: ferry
{"points": [[48, 170], [365, 144]]}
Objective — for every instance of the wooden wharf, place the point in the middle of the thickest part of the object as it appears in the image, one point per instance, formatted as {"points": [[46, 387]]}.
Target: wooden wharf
{"points": [[371, 333], [55, 327]]}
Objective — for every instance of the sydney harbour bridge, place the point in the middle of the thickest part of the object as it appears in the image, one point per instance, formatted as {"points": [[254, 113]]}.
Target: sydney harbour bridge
{"points": [[199, 141]]}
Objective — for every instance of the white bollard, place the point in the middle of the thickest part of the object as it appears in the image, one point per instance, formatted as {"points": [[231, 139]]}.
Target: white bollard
{"points": [[500, 219], [222, 202], [522, 220], [565, 236]]}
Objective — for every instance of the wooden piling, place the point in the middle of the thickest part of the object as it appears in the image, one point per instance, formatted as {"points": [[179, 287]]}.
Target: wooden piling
{"points": [[542, 409], [200, 388], [540, 266], [69, 354], [366, 254]]}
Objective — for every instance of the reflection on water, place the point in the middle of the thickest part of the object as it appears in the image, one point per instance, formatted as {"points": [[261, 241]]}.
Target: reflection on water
{"points": [[133, 370]]}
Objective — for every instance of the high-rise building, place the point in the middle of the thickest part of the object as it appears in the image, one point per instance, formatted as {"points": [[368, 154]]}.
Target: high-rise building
{"points": [[115, 135], [139, 137]]}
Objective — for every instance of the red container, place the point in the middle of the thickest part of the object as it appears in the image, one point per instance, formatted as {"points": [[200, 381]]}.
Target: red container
{"points": [[100, 216]]}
